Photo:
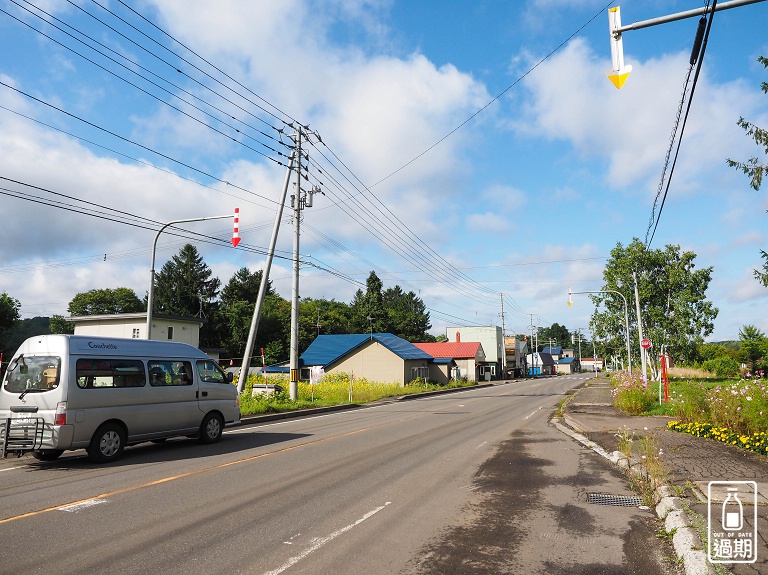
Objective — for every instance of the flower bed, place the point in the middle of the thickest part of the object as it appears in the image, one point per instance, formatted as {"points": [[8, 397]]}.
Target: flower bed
{"points": [[757, 442]]}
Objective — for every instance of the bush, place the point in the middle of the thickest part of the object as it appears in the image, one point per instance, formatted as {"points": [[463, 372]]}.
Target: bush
{"points": [[722, 366], [630, 393]]}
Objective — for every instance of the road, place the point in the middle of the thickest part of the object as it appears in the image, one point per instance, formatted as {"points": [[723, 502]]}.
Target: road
{"points": [[471, 482]]}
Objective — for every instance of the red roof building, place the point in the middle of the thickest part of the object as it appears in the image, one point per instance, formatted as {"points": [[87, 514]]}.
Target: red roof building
{"points": [[467, 355]]}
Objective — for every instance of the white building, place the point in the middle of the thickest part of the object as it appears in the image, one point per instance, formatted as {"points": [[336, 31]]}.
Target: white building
{"points": [[134, 325], [492, 340]]}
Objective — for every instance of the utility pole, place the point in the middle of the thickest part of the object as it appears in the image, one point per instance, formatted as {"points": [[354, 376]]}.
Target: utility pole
{"points": [[299, 201], [640, 331], [503, 342], [296, 205]]}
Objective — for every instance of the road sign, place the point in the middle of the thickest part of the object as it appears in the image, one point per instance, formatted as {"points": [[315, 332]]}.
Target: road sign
{"points": [[645, 344]]}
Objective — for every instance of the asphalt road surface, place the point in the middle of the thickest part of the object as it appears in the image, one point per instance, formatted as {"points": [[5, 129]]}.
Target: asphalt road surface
{"points": [[471, 482]]}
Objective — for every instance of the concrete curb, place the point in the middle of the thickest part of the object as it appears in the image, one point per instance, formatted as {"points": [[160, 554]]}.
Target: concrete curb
{"points": [[685, 539]]}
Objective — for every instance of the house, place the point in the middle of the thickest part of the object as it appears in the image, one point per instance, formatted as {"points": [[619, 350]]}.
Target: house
{"points": [[592, 364], [554, 350], [468, 357], [541, 364], [516, 351], [134, 326], [492, 340], [381, 357], [567, 365]]}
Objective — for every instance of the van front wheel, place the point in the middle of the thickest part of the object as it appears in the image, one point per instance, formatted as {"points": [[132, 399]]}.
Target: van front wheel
{"points": [[107, 444], [211, 428]]}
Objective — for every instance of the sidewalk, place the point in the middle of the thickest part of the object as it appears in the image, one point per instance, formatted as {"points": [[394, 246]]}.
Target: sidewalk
{"points": [[692, 462]]}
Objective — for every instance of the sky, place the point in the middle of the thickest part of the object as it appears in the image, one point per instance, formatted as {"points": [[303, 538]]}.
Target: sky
{"points": [[471, 152]]}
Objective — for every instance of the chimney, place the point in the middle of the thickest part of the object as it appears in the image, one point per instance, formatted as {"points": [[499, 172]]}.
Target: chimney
{"points": [[458, 337]]}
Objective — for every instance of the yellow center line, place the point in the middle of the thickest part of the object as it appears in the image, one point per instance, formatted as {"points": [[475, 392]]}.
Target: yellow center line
{"points": [[179, 476]]}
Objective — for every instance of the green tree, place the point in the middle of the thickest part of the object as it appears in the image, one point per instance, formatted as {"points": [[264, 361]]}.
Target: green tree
{"points": [[676, 314], [754, 168], [244, 286], [321, 316], [557, 334], [752, 344], [367, 309], [233, 318], [9, 316], [59, 324], [407, 315], [105, 302], [184, 287]]}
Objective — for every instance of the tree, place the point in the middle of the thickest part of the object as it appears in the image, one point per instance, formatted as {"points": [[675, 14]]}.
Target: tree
{"points": [[752, 343], [184, 287], [557, 334], [675, 312], [9, 316], [59, 324], [244, 286], [105, 302], [407, 315], [753, 167], [368, 312]]}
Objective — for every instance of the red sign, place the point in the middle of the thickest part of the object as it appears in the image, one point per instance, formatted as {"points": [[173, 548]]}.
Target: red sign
{"points": [[645, 344]]}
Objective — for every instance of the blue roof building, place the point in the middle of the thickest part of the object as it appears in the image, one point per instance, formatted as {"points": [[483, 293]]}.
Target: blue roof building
{"points": [[380, 357]]}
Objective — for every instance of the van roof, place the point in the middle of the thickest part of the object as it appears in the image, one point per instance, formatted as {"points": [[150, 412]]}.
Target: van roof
{"points": [[93, 345]]}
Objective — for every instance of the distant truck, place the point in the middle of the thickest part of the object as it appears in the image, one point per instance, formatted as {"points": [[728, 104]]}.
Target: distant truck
{"points": [[64, 392]]}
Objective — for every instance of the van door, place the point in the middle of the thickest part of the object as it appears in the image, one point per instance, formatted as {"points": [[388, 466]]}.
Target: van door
{"points": [[216, 390], [174, 392]]}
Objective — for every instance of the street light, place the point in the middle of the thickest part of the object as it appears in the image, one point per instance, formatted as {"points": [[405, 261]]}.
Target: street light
{"points": [[626, 316], [151, 291]]}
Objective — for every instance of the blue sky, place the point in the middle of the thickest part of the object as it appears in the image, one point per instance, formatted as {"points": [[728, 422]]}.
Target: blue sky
{"points": [[526, 198]]}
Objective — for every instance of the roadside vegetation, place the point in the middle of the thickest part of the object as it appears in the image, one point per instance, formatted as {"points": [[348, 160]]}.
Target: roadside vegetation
{"points": [[332, 389], [733, 409]]}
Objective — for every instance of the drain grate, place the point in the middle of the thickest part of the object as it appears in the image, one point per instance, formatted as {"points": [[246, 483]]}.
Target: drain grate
{"points": [[620, 500]]}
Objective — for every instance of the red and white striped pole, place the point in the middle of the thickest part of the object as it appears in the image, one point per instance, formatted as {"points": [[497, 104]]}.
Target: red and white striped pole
{"points": [[236, 229]]}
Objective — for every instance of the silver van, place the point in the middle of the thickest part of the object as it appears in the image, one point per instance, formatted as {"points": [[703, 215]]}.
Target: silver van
{"points": [[100, 394]]}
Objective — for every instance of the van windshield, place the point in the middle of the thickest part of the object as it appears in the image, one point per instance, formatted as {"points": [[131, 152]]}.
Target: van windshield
{"points": [[33, 374]]}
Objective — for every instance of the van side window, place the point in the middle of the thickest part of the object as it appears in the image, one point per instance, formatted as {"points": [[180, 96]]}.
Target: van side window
{"points": [[99, 373], [210, 372], [170, 373]]}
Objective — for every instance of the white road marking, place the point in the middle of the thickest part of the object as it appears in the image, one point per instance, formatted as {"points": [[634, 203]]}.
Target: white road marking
{"points": [[75, 507], [479, 446], [532, 414], [9, 468], [318, 542]]}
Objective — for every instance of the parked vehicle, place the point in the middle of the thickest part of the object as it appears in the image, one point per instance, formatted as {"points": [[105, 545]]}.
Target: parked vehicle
{"points": [[72, 392]]}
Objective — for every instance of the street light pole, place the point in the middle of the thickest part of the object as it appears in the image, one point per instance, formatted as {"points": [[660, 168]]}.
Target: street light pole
{"points": [[626, 317], [151, 291]]}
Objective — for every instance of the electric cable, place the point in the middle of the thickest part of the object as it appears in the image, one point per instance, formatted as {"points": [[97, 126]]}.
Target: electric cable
{"points": [[685, 119]]}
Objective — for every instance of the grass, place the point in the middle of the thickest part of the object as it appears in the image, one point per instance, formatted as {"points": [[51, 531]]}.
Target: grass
{"points": [[333, 389], [646, 469], [731, 410]]}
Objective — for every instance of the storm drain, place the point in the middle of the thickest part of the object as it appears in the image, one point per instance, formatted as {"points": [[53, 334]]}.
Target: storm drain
{"points": [[620, 500]]}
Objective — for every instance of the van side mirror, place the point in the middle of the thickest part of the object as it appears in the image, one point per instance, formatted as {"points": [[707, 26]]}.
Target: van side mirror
{"points": [[230, 377]]}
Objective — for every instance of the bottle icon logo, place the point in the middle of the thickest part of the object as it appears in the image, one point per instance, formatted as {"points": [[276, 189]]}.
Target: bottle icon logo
{"points": [[732, 522], [733, 511]]}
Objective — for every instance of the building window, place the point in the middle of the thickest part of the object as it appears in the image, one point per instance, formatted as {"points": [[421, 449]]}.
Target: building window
{"points": [[135, 333], [170, 332], [422, 372]]}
